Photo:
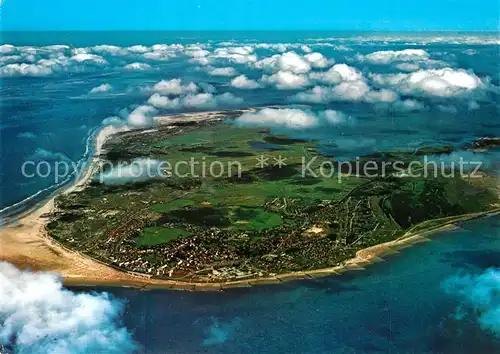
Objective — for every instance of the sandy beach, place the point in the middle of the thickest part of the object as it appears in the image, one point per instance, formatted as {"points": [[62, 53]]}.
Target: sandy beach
{"points": [[27, 245]]}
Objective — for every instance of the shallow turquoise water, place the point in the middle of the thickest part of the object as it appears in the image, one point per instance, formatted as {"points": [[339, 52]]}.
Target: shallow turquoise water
{"points": [[397, 306]]}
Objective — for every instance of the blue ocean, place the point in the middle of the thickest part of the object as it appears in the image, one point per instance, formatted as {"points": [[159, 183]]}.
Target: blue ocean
{"points": [[355, 93]]}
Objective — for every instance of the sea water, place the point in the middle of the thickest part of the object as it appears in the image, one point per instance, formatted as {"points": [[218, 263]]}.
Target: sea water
{"points": [[410, 303]]}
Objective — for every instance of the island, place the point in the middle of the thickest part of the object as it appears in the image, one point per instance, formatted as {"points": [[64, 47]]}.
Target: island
{"points": [[237, 206]]}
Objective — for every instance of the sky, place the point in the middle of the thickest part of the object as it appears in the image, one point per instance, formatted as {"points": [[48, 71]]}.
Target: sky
{"points": [[384, 15]]}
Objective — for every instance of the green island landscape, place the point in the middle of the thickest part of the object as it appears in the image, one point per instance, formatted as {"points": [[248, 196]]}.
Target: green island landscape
{"points": [[267, 220]]}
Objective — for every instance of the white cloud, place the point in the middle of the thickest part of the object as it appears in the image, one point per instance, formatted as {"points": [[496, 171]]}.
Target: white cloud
{"points": [[243, 82], [89, 58], [110, 49], [38, 315], [414, 40], [197, 52], [390, 56], [437, 82], [409, 105], [335, 117], [11, 59], [289, 61], [114, 121], [160, 101], [201, 61], [317, 60], [480, 294], [140, 49], [408, 66], [175, 87], [137, 66], [279, 47], [290, 118], [285, 80], [158, 56], [239, 55], [196, 101], [346, 91], [294, 63], [7, 48], [136, 171], [337, 74], [101, 89], [306, 48], [227, 71], [381, 96], [351, 90], [25, 70], [470, 52], [201, 100], [141, 117], [287, 118]]}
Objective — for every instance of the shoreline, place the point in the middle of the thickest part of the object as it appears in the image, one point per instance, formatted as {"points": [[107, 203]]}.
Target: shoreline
{"points": [[26, 244]]}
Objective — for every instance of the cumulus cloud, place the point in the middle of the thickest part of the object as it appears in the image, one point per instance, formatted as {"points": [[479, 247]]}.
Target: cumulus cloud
{"points": [[357, 90], [25, 70], [413, 40], [409, 105], [294, 63], [7, 48], [42, 154], [114, 122], [289, 62], [89, 58], [390, 56], [101, 89], [39, 316], [478, 293], [337, 74], [138, 49], [305, 48], [445, 82], [408, 66], [239, 55], [227, 71], [243, 82], [469, 52], [197, 101], [138, 170], [286, 80], [290, 118], [11, 59], [317, 60], [141, 117], [137, 66], [278, 47], [175, 87], [110, 49], [287, 118], [49, 60]]}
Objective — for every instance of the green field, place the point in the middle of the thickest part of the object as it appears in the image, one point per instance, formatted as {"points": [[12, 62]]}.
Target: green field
{"points": [[251, 220]]}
